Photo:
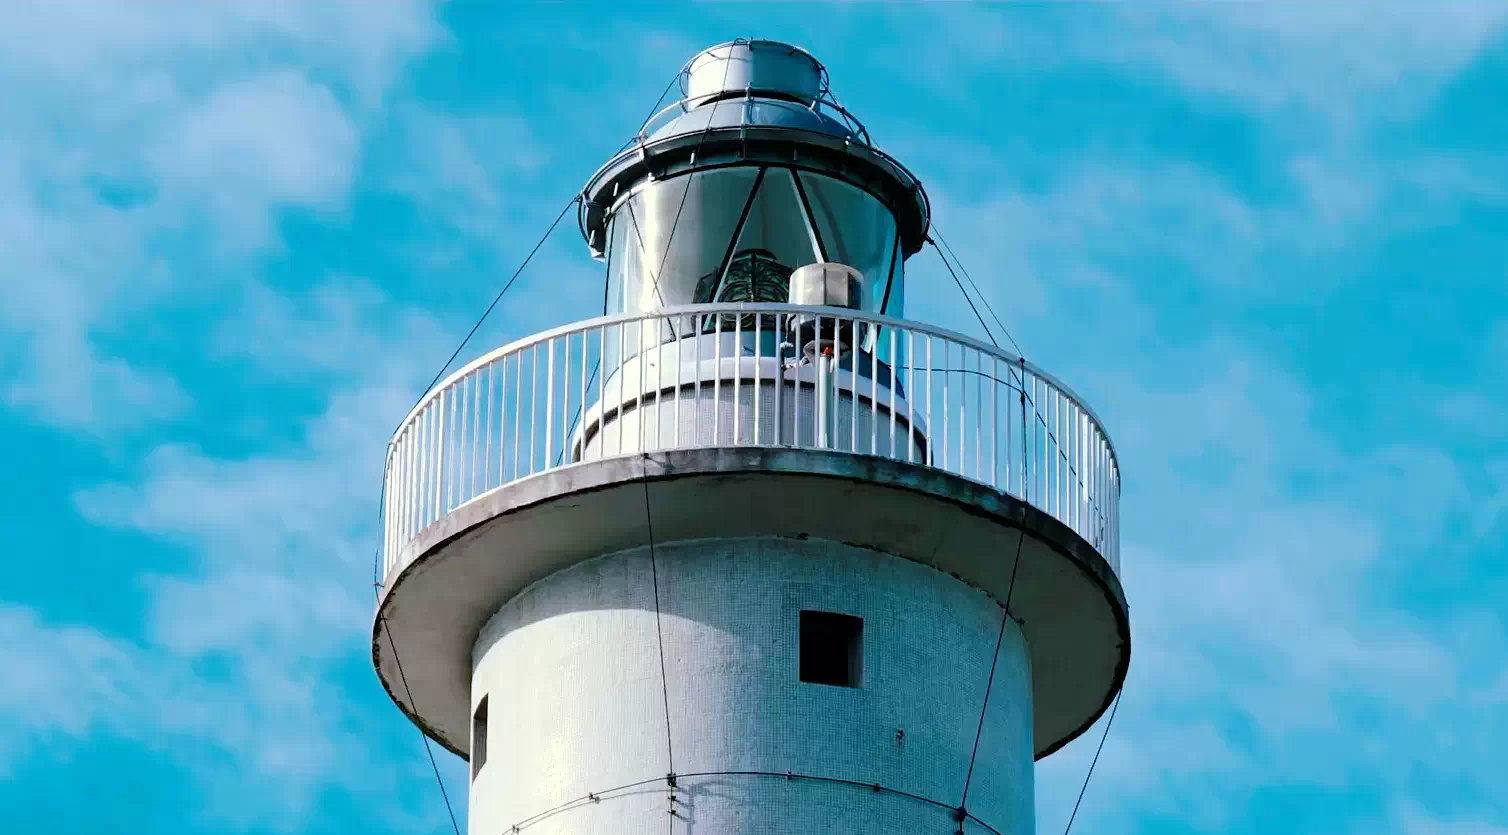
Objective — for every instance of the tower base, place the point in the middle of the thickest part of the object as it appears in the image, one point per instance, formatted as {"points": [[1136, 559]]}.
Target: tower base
{"points": [[878, 738]]}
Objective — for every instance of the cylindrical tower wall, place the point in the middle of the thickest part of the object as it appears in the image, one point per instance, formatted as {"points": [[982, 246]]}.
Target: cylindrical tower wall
{"points": [[716, 390], [729, 413], [570, 671]]}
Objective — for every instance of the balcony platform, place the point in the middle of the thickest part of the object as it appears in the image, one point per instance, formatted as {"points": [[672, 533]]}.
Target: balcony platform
{"points": [[446, 581]]}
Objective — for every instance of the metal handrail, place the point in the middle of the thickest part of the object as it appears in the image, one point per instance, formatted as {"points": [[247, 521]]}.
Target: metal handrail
{"points": [[805, 377]]}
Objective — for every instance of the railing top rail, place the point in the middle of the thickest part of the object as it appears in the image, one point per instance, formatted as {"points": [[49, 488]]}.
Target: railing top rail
{"points": [[1015, 360]]}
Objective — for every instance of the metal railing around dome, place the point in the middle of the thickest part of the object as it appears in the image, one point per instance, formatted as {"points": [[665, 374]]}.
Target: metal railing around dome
{"points": [[752, 375]]}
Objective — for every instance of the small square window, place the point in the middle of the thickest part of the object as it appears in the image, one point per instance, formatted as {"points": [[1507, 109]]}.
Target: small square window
{"points": [[479, 738], [832, 649]]}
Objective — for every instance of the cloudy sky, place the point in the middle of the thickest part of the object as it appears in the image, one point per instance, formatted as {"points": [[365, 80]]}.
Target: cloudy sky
{"points": [[1268, 244]]}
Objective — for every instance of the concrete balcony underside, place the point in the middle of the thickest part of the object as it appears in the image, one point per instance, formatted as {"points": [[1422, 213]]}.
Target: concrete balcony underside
{"points": [[458, 571]]}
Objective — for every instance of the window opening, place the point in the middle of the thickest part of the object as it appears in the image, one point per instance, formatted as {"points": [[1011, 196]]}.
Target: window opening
{"points": [[479, 738], [831, 649]]}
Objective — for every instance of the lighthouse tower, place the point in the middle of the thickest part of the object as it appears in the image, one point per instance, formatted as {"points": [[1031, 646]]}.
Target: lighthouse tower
{"points": [[752, 552]]}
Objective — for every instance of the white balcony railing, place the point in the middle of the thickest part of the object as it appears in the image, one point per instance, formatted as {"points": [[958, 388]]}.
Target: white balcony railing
{"points": [[752, 375]]}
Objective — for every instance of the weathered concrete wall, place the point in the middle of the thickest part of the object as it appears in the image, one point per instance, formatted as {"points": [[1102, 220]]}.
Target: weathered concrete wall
{"points": [[571, 670]]}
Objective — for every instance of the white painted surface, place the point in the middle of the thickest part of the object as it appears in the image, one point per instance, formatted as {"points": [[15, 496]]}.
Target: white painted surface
{"points": [[572, 669]]}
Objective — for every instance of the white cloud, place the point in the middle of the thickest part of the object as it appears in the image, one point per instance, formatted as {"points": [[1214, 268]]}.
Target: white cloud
{"points": [[144, 151], [281, 594], [1337, 62], [1325, 58], [63, 681], [255, 146]]}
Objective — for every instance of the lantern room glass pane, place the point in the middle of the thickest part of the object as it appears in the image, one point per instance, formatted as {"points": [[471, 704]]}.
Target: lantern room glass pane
{"points": [[774, 241], [855, 229], [655, 267], [679, 241]]}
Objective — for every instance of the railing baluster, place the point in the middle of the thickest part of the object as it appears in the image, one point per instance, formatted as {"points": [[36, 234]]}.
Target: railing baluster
{"points": [[874, 390], [1049, 461], [758, 373], [463, 449], [911, 390], [963, 411], [894, 383], [455, 440], [502, 420], [1076, 469], [444, 450], [696, 391], [563, 439], [405, 488], [778, 337], [456, 437], [819, 393], [1025, 458], [738, 361], [476, 433], [717, 380], [1081, 491], [577, 453], [447, 450], [426, 463], [1008, 424], [1039, 420], [1075, 472], [962, 375], [1065, 452], [931, 427], [518, 414], [421, 459], [994, 420], [835, 389], [549, 402], [853, 376], [458, 496], [853, 387], [416, 476], [411, 503], [395, 504], [487, 432], [1100, 451], [1056, 477], [432, 476], [601, 393], [643, 356], [387, 507], [830, 389], [622, 394], [978, 415]]}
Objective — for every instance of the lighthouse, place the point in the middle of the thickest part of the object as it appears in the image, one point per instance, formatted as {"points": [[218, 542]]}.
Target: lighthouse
{"points": [[751, 552]]}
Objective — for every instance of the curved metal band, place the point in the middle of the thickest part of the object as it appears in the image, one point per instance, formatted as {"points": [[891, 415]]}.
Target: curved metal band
{"points": [[862, 166]]}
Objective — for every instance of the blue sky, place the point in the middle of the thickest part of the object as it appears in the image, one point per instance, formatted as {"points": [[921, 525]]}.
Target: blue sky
{"points": [[1267, 244]]}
